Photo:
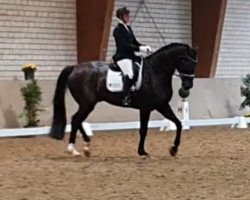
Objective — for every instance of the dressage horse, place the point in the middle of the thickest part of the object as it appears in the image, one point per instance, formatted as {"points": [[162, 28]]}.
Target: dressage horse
{"points": [[87, 85]]}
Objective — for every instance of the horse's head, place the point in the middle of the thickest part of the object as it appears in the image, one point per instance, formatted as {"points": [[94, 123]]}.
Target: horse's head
{"points": [[175, 57], [185, 64]]}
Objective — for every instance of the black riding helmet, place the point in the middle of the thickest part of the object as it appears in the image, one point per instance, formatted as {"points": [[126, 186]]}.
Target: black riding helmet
{"points": [[122, 11]]}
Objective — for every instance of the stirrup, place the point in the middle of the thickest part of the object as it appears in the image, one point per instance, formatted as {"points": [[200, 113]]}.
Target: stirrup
{"points": [[126, 101]]}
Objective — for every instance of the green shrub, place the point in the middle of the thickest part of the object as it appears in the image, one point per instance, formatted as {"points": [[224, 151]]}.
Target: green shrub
{"points": [[245, 92], [32, 97]]}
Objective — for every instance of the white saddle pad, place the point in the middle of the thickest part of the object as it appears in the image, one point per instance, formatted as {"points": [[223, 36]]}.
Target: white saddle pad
{"points": [[114, 81]]}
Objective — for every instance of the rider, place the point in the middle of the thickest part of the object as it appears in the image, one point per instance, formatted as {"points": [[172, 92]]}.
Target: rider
{"points": [[126, 45]]}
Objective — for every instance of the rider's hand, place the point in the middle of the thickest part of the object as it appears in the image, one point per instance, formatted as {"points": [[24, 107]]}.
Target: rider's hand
{"points": [[146, 49], [149, 49]]}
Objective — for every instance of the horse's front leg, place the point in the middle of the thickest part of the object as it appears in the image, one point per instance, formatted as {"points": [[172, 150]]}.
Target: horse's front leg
{"points": [[168, 113], [144, 118]]}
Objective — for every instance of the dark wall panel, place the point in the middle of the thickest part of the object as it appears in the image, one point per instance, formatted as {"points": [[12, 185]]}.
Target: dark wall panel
{"points": [[93, 23], [207, 24]]}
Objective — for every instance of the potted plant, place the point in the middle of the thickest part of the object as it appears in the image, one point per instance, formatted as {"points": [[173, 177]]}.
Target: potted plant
{"points": [[29, 71], [245, 92], [32, 96]]}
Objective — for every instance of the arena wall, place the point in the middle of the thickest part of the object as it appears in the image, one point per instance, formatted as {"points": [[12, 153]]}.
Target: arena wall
{"points": [[38, 31], [234, 59], [210, 98]]}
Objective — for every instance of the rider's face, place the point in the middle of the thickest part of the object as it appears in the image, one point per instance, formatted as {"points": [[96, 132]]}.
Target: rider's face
{"points": [[125, 18]]}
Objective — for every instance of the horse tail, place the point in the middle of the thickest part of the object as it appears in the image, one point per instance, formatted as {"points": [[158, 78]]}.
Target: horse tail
{"points": [[59, 120]]}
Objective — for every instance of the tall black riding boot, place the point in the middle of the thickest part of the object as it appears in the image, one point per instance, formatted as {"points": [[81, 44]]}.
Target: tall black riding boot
{"points": [[127, 83]]}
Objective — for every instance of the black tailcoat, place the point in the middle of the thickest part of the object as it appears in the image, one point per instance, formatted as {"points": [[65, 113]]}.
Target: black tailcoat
{"points": [[126, 43]]}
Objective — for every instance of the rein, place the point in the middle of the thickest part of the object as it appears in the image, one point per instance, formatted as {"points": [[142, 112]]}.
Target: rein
{"points": [[143, 3]]}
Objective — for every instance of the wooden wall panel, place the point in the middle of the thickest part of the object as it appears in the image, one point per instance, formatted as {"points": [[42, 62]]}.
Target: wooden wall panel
{"points": [[93, 22], [207, 24]]}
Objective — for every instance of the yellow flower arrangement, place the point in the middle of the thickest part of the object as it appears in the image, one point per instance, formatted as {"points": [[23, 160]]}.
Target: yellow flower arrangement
{"points": [[29, 66]]}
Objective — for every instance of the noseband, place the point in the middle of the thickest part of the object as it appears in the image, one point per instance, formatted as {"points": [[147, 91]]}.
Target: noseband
{"points": [[183, 75]]}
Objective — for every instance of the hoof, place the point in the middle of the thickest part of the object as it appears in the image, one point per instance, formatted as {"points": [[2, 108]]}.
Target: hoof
{"points": [[173, 151], [76, 154], [72, 150], [86, 152], [73, 153], [144, 155], [148, 156]]}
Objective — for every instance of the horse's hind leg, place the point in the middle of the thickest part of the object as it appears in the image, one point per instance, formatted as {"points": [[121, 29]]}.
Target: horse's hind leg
{"points": [[76, 125], [87, 140]]}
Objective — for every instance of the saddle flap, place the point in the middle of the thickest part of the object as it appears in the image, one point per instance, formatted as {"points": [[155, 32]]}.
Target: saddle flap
{"points": [[114, 82]]}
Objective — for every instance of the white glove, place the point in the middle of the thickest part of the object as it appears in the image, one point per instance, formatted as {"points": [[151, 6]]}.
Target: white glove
{"points": [[145, 49]]}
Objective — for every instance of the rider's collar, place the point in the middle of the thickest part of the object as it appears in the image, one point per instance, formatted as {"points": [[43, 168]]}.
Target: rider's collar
{"points": [[121, 22]]}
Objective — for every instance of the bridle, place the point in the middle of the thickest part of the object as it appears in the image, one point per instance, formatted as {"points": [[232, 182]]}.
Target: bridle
{"points": [[183, 75]]}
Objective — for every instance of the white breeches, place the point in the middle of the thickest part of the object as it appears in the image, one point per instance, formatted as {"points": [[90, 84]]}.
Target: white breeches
{"points": [[126, 66]]}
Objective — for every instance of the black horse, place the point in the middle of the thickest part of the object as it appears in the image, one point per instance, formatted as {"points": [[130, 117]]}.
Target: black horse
{"points": [[87, 84]]}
